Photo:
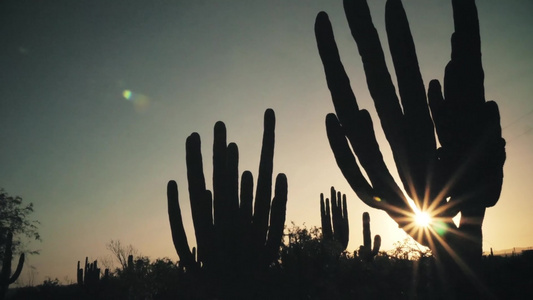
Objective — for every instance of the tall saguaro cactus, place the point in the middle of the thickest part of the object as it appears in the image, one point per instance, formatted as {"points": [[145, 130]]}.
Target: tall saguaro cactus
{"points": [[336, 216], [5, 274], [464, 175], [234, 233]]}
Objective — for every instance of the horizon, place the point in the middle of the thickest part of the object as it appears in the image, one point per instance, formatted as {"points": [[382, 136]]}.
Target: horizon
{"points": [[98, 99]]}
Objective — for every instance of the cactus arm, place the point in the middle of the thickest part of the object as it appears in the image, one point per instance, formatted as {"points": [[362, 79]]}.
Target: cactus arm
{"points": [[247, 187], [345, 224], [200, 198], [5, 274], [219, 177], [336, 216], [264, 181], [367, 242], [377, 245], [409, 137], [325, 218], [223, 231], [417, 152], [233, 225], [378, 78], [18, 270], [463, 79], [79, 274], [176, 226], [233, 182], [277, 218], [346, 161], [410, 83], [385, 192]]}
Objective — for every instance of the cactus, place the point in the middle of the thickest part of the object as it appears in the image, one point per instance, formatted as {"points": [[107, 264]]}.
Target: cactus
{"points": [[230, 238], [5, 274], [463, 176], [90, 274], [79, 274], [366, 252], [338, 215], [130, 262]]}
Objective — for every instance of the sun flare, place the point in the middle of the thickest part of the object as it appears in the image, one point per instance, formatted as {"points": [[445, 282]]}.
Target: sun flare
{"points": [[423, 219]]}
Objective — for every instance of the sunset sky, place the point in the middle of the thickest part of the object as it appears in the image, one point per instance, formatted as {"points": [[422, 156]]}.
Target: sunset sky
{"points": [[98, 98]]}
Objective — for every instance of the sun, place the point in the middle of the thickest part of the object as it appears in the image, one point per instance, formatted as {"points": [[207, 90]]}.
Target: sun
{"points": [[423, 219]]}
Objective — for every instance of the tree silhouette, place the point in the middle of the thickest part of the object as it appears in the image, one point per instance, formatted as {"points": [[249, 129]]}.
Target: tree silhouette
{"points": [[14, 221], [464, 176]]}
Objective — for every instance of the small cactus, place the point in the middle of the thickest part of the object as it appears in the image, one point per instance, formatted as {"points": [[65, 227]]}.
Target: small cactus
{"points": [[337, 216], [366, 252]]}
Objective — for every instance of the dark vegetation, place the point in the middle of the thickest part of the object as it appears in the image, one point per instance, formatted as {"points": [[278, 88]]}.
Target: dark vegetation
{"points": [[307, 268], [15, 222]]}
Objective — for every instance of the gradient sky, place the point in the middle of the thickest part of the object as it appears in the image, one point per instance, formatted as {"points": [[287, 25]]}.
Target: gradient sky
{"points": [[96, 164]]}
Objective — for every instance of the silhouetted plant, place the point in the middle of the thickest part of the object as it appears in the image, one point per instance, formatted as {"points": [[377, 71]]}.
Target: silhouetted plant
{"points": [[231, 240], [336, 216], [14, 222], [464, 175], [90, 274], [122, 253], [6, 278], [409, 249], [366, 251]]}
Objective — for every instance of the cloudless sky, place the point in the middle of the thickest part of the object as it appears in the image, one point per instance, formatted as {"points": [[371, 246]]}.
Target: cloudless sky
{"points": [[96, 164]]}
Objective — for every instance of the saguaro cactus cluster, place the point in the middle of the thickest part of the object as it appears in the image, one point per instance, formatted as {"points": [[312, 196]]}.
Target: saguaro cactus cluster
{"points": [[464, 175], [6, 278], [366, 252], [90, 274], [231, 237], [334, 212]]}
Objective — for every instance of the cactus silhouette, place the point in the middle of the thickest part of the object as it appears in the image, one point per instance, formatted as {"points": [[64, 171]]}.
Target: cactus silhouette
{"points": [[5, 274], [231, 239], [337, 215], [90, 275], [464, 175], [366, 252]]}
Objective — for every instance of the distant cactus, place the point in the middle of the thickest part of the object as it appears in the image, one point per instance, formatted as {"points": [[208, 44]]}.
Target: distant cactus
{"points": [[79, 274], [366, 252], [5, 274], [336, 216], [90, 274], [130, 265], [230, 238]]}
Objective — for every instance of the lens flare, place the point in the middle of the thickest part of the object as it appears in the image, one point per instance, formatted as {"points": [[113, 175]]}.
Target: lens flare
{"points": [[423, 219], [140, 101], [127, 94], [441, 228]]}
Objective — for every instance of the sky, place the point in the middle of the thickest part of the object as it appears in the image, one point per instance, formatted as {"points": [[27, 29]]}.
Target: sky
{"points": [[98, 97]]}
